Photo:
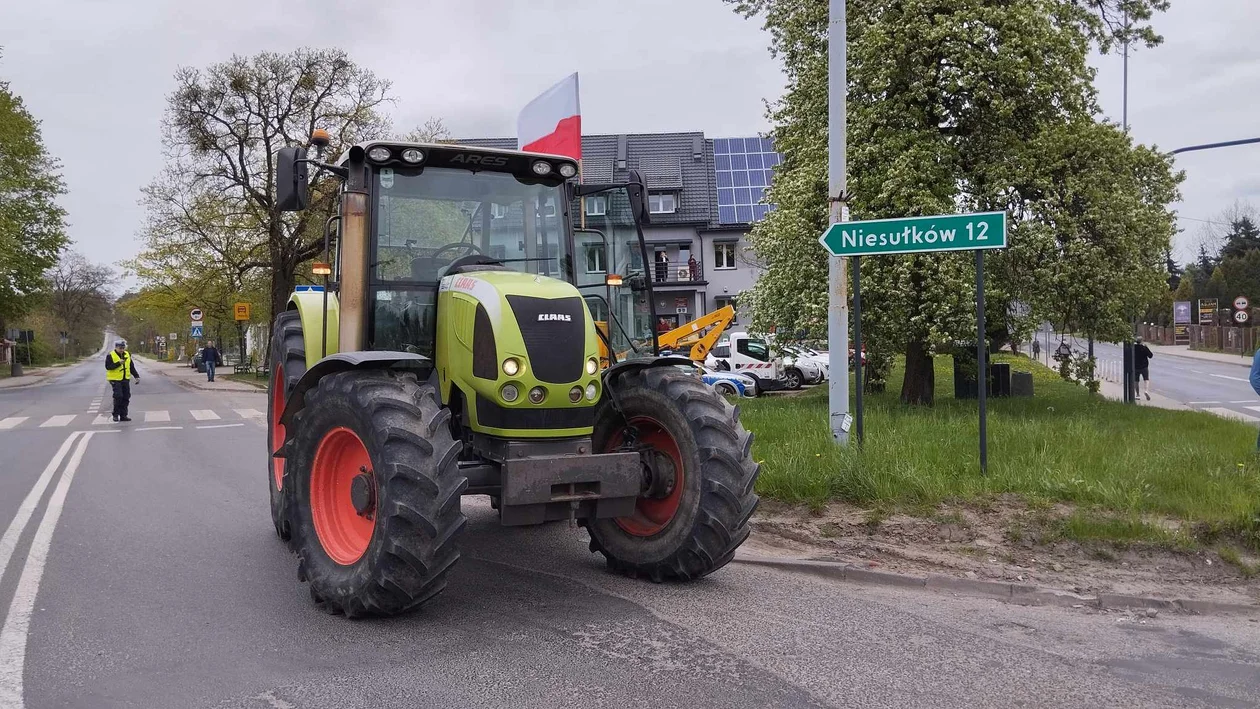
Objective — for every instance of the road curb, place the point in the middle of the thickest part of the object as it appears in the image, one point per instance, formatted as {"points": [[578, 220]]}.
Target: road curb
{"points": [[1015, 592]]}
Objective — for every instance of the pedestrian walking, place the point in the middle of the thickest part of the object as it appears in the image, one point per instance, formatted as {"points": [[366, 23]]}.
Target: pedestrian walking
{"points": [[120, 370], [210, 355], [1036, 349], [1142, 367]]}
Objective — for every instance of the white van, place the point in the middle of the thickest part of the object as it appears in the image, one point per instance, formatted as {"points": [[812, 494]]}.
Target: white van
{"points": [[745, 354]]}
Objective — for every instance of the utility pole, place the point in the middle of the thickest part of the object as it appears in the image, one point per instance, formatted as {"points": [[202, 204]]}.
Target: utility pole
{"points": [[837, 278], [1128, 398]]}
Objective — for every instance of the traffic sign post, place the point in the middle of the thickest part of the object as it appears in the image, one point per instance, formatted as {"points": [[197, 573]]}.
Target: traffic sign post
{"points": [[196, 331], [240, 311], [195, 314], [976, 232]]}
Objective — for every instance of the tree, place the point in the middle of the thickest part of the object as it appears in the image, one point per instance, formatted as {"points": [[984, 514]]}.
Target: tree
{"points": [[946, 101], [1175, 271], [1243, 236], [222, 128], [79, 297], [32, 225], [1185, 291]]}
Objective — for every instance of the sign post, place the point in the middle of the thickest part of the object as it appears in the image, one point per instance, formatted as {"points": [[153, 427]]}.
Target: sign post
{"points": [[837, 188], [911, 235], [1181, 322]]}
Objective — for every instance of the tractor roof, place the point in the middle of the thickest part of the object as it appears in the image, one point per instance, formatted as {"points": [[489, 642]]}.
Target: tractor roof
{"points": [[464, 156]]}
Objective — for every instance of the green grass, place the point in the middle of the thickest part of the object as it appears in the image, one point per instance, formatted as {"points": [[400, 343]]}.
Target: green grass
{"points": [[1061, 446]]}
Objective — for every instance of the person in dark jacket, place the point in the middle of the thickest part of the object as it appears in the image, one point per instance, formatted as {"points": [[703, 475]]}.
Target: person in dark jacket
{"points": [[210, 355], [1142, 367], [120, 369]]}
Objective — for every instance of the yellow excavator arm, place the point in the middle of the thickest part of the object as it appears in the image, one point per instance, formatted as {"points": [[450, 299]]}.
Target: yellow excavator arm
{"points": [[700, 334]]}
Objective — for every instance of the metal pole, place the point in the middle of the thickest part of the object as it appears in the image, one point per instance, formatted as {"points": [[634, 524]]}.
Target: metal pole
{"points": [[838, 290], [1129, 398], [857, 343], [982, 372]]}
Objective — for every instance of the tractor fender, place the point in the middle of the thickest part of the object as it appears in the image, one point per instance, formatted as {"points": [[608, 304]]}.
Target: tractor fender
{"points": [[633, 365], [310, 306], [352, 360]]}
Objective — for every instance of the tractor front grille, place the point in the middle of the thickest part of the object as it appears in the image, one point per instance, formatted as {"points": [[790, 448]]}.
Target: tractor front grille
{"points": [[554, 330]]}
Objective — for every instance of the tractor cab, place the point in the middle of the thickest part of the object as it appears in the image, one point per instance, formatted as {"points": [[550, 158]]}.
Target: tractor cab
{"points": [[481, 333]]}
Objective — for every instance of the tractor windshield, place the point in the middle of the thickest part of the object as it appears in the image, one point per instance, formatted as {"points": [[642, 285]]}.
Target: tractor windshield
{"points": [[426, 218]]}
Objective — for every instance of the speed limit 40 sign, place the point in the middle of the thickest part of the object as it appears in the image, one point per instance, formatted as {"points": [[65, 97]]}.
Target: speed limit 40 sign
{"points": [[1240, 316]]}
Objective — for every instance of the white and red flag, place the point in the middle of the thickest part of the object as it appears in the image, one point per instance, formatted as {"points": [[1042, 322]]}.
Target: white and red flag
{"points": [[552, 122]]}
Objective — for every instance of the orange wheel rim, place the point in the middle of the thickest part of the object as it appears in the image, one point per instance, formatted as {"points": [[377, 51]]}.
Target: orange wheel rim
{"points": [[277, 429], [343, 532], [651, 515]]}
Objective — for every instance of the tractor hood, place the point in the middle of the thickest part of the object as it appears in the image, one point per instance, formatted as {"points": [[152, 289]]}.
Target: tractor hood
{"points": [[545, 317]]}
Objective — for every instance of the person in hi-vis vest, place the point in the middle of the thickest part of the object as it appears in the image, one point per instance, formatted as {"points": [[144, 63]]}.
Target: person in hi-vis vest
{"points": [[120, 369]]}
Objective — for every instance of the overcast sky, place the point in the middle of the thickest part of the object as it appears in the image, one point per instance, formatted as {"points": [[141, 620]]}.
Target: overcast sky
{"points": [[97, 73]]}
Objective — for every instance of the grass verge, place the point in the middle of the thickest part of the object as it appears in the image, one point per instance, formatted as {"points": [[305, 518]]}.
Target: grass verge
{"points": [[1119, 465], [245, 378]]}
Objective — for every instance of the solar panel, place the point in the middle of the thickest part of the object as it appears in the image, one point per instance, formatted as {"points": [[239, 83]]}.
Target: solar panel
{"points": [[743, 168]]}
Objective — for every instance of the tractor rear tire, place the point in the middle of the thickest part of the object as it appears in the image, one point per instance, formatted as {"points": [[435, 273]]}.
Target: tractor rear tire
{"points": [[377, 493], [287, 362], [697, 527]]}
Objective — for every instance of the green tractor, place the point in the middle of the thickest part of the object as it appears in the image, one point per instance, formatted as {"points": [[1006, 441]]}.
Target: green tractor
{"points": [[453, 352]]}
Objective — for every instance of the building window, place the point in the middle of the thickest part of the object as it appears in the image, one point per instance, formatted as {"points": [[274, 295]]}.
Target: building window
{"points": [[549, 209], [498, 211], [722, 301], [662, 202], [596, 206], [595, 262], [724, 254]]}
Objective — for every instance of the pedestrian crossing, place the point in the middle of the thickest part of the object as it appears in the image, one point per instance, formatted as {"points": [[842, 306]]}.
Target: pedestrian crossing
{"points": [[93, 418], [1232, 414]]}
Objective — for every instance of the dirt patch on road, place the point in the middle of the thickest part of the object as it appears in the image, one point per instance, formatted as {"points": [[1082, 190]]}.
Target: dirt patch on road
{"points": [[1004, 540]]}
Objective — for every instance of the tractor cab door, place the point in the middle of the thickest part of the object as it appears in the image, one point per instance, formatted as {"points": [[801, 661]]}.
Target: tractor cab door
{"points": [[610, 269]]}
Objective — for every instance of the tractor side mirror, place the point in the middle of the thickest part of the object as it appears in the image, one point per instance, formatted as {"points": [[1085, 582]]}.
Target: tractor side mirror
{"points": [[291, 180], [637, 189]]}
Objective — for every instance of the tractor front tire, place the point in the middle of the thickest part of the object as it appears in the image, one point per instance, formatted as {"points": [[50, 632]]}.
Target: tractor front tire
{"points": [[696, 528], [377, 503], [287, 363]]}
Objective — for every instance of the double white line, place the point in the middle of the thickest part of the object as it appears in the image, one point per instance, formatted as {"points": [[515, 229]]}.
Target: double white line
{"points": [[13, 635]]}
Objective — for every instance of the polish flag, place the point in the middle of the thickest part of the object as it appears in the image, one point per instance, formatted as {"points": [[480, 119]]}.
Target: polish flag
{"points": [[552, 123]]}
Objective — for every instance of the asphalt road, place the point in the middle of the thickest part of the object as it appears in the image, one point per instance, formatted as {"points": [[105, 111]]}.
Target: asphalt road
{"points": [[1220, 388], [145, 573]]}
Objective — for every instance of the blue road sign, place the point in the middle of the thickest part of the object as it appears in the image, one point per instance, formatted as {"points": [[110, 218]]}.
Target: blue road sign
{"points": [[196, 331]]}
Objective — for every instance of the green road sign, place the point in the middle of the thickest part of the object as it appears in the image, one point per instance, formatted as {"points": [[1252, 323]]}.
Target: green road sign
{"points": [[911, 235]]}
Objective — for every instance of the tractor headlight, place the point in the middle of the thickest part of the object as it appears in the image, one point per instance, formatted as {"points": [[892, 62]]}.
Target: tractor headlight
{"points": [[591, 365], [511, 366], [568, 170], [510, 393], [542, 167], [575, 394], [591, 391], [412, 155], [378, 154], [536, 395]]}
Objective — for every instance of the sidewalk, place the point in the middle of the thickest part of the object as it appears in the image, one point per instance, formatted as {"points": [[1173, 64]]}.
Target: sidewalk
{"points": [[30, 377], [1115, 392], [189, 378], [1185, 351]]}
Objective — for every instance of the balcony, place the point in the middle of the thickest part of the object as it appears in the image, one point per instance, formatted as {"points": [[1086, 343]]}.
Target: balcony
{"points": [[677, 272]]}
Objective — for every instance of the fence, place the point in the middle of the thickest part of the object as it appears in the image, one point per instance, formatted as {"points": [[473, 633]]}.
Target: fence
{"points": [[1214, 338]]}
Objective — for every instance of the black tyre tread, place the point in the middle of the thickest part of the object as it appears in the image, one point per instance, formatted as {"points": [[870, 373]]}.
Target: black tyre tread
{"points": [[419, 517], [288, 354], [728, 474]]}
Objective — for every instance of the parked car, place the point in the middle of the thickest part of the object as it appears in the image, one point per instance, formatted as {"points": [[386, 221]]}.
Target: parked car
{"points": [[800, 368], [729, 383]]}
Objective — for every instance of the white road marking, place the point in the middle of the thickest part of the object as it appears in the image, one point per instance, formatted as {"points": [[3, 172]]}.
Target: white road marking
{"points": [[1197, 371], [1244, 401], [223, 425], [13, 636], [1226, 376], [9, 541], [204, 415], [250, 413], [1231, 414], [58, 421], [160, 428], [1197, 403], [101, 419], [11, 422], [156, 416]]}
